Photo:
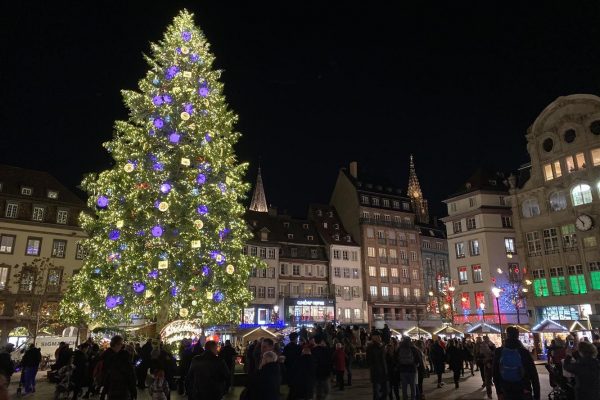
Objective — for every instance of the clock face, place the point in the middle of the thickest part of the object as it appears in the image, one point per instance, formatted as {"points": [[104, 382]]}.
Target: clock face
{"points": [[584, 222]]}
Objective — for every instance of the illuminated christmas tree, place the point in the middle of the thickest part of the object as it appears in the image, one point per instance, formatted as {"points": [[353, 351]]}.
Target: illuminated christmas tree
{"points": [[167, 235]]}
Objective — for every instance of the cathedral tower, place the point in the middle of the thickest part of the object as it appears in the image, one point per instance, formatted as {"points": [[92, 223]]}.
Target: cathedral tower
{"points": [[416, 195]]}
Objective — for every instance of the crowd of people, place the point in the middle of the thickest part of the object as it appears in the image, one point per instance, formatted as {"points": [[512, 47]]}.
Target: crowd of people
{"points": [[308, 364]]}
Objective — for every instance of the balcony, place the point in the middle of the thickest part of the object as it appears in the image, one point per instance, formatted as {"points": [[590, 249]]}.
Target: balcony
{"points": [[551, 251], [393, 260], [402, 243], [372, 221], [383, 260], [410, 300], [570, 248], [381, 241]]}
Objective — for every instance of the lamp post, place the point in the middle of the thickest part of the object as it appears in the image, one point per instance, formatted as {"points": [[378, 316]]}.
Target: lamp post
{"points": [[276, 312], [451, 289], [497, 291]]}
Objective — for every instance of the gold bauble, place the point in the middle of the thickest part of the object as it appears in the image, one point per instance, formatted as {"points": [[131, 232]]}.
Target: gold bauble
{"points": [[198, 224], [129, 167], [185, 116], [230, 269], [163, 206], [184, 50], [184, 312]]}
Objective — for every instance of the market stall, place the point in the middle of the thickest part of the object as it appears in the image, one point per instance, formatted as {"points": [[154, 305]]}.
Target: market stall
{"points": [[417, 333], [181, 329], [548, 330], [526, 336], [492, 331], [581, 330], [448, 332], [256, 334]]}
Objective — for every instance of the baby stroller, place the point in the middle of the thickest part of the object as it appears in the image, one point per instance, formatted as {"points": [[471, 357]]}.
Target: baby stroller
{"points": [[561, 387], [65, 387]]}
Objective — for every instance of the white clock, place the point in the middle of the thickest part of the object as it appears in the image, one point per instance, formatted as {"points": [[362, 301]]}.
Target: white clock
{"points": [[584, 222]]}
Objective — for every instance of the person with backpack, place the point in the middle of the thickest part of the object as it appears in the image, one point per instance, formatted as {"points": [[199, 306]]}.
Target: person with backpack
{"points": [[586, 370], [407, 362], [514, 372]]}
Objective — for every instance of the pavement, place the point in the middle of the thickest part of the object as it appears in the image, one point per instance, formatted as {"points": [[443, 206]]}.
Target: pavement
{"points": [[470, 388]]}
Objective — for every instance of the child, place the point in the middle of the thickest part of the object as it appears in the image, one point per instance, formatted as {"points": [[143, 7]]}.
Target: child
{"points": [[159, 389]]}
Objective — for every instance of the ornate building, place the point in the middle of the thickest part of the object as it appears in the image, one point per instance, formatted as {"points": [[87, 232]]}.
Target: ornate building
{"points": [[419, 203], [259, 200]]}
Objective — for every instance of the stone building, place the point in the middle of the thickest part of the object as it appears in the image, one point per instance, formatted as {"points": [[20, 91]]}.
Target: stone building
{"points": [[482, 245], [556, 211], [39, 250], [382, 220], [345, 269], [435, 260]]}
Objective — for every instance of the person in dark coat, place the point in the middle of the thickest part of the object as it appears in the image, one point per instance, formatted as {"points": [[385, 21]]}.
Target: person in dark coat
{"points": [[291, 352], [7, 366], [80, 361], [118, 375], [268, 379], [30, 363], [303, 380], [228, 355], [438, 359], [322, 356], [456, 359], [586, 370], [377, 367], [529, 385], [208, 375], [142, 369], [185, 360], [339, 364], [391, 360]]}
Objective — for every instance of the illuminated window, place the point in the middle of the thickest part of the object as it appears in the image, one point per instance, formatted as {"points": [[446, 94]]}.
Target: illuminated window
{"points": [[7, 243], [474, 247], [580, 160], [479, 300], [569, 236], [33, 246], [58, 248], [465, 301], [371, 251], [548, 172], [576, 279], [62, 216], [477, 275], [540, 285], [550, 240], [372, 271], [463, 277], [534, 243], [460, 250], [581, 194], [596, 157], [509, 245], [557, 170], [570, 164], [557, 281], [373, 290], [594, 267], [530, 208], [38, 214], [558, 201]]}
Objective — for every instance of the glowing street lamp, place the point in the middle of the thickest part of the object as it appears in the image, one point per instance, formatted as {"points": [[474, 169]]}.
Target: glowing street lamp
{"points": [[497, 291]]}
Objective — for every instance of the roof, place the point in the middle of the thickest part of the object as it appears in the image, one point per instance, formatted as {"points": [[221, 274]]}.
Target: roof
{"points": [[282, 228], [432, 231], [483, 180], [329, 225], [13, 178], [382, 186]]}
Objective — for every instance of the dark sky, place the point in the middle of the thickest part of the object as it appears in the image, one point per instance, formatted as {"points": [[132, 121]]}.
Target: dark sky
{"points": [[315, 85]]}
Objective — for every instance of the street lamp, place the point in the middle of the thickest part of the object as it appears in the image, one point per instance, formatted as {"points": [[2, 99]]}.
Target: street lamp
{"points": [[276, 312], [497, 291]]}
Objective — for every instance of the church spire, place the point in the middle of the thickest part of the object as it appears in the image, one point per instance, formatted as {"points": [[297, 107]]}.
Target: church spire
{"points": [[416, 195], [259, 200]]}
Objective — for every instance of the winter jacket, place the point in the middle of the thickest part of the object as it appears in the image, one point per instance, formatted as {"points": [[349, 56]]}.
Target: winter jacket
{"points": [[407, 368], [339, 360], [266, 385], [118, 375], [322, 356], [207, 377], [529, 385], [32, 358], [455, 357], [304, 376], [376, 363], [291, 352], [438, 357], [587, 377]]}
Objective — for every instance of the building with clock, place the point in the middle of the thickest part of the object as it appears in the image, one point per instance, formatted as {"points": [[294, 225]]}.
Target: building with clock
{"points": [[556, 211]]}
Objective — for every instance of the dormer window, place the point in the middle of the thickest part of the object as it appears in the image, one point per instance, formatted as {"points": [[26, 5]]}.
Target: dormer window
{"points": [[26, 191], [290, 235], [336, 237], [336, 226], [310, 237], [330, 214], [319, 213], [305, 226], [52, 194], [264, 236], [286, 224], [348, 238]]}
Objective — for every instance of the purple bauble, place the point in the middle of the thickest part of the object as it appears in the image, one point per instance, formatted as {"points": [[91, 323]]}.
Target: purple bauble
{"points": [[165, 188], [188, 108], [113, 301], [202, 209], [102, 201], [157, 100], [174, 291], [138, 287], [158, 123], [114, 234], [218, 296], [186, 36], [157, 166], [203, 91], [167, 98], [174, 137], [194, 57], [153, 274], [207, 137], [201, 179], [157, 231], [205, 270], [171, 72]]}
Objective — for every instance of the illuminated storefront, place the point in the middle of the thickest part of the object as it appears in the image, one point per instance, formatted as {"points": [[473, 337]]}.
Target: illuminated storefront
{"points": [[574, 312], [309, 311], [260, 315]]}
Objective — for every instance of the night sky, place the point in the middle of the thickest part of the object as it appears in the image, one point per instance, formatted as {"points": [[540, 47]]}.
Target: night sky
{"points": [[315, 85]]}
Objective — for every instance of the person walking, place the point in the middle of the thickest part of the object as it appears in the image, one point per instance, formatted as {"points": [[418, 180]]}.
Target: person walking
{"points": [[455, 358], [422, 371], [30, 363], [303, 380], [377, 367], [438, 359], [291, 352], [80, 374], [408, 361], [322, 356], [228, 354], [469, 354], [586, 370], [339, 365], [118, 376], [514, 372], [391, 360], [350, 350], [268, 379], [208, 375]]}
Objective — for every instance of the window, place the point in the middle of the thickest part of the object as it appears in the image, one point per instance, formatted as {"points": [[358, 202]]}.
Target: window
{"points": [[474, 247], [557, 171], [557, 281], [387, 218], [383, 272], [3, 277], [263, 252], [354, 255], [472, 202], [509, 245], [594, 267], [355, 273], [396, 203], [395, 291], [357, 313], [460, 249], [548, 175], [253, 251], [426, 244], [290, 236], [589, 241], [540, 285], [314, 253], [506, 221], [415, 274], [38, 213], [27, 280], [462, 275], [596, 157], [581, 194], [580, 160], [261, 292], [406, 206], [386, 203], [296, 270], [370, 233], [53, 282], [34, 246], [271, 293], [355, 291], [403, 255], [12, 210], [480, 300], [457, 227], [26, 191], [346, 272], [62, 216], [372, 271], [569, 236], [7, 243], [534, 243], [453, 207], [371, 251], [58, 248], [413, 256], [308, 270], [558, 201], [530, 208], [80, 252], [344, 255], [405, 272], [364, 199], [375, 201], [365, 214], [405, 292], [283, 269], [471, 223], [550, 240], [576, 279], [337, 272], [336, 254], [570, 163], [271, 254], [417, 292], [52, 194], [253, 272], [477, 275], [385, 291], [373, 290], [376, 216]]}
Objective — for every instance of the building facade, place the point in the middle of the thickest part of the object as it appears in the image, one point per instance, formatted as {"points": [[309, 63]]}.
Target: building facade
{"points": [[483, 254], [345, 268], [556, 208], [39, 251], [436, 264], [382, 220]]}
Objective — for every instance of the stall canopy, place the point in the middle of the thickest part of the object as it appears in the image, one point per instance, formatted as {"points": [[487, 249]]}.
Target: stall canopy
{"points": [[415, 331], [577, 326], [447, 330], [549, 326], [257, 333], [484, 328]]}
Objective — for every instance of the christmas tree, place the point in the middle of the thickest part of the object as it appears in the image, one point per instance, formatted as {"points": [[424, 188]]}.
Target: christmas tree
{"points": [[167, 236]]}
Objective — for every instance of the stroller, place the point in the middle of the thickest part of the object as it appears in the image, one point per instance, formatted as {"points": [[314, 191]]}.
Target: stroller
{"points": [[65, 387], [562, 389]]}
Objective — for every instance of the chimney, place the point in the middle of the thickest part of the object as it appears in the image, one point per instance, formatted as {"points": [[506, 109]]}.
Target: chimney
{"points": [[354, 169]]}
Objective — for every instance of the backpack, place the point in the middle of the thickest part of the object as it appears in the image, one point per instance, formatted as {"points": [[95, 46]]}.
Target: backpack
{"points": [[511, 365], [406, 356], [484, 351]]}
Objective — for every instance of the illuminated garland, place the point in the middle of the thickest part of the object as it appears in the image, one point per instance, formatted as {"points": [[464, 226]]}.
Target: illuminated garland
{"points": [[167, 235]]}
